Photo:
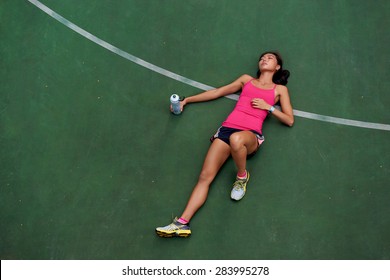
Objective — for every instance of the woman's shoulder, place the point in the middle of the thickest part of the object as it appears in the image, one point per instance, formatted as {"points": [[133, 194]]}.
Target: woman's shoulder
{"points": [[245, 78], [281, 88]]}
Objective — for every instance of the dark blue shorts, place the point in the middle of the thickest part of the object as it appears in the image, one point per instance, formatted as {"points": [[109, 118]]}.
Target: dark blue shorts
{"points": [[223, 133]]}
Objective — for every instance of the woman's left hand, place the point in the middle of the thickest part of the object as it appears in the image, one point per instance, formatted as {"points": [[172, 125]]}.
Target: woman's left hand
{"points": [[259, 103]]}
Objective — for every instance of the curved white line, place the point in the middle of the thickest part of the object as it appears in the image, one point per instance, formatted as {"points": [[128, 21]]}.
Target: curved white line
{"points": [[190, 82]]}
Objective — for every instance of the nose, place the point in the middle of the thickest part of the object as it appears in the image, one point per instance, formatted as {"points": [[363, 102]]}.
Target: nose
{"points": [[263, 60]]}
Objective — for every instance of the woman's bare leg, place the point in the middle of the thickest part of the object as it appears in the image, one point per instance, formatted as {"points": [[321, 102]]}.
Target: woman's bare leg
{"points": [[242, 143], [218, 153]]}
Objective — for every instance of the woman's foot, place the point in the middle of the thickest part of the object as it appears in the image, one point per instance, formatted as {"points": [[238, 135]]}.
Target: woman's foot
{"points": [[239, 187], [175, 229]]}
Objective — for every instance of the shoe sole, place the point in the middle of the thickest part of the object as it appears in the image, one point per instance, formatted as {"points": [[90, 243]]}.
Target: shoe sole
{"points": [[183, 233]]}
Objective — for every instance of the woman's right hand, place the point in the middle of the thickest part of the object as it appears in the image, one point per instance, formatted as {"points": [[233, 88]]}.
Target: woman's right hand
{"points": [[182, 104]]}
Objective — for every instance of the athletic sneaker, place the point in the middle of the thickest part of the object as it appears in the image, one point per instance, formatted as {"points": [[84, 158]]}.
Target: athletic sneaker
{"points": [[174, 229], [239, 188]]}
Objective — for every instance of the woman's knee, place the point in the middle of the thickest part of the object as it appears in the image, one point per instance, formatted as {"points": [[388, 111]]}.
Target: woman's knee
{"points": [[237, 141], [244, 139], [206, 176]]}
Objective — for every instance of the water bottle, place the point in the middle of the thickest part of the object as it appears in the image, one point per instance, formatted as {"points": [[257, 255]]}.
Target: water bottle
{"points": [[175, 102]]}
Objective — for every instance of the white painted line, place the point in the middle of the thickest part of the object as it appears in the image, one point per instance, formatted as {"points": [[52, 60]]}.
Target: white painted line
{"points": [[190, 82], [335, 120]]}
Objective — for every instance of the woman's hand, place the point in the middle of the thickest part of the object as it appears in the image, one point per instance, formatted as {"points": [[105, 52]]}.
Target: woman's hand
{"points": [[259, 103], [182, 104]]}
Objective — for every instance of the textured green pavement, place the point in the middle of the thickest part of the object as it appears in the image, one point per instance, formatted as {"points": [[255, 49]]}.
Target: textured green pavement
{"points": [[91, 159]]}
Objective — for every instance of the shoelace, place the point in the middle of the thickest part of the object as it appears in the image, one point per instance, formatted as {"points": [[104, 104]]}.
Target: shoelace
{"points": [[239, 184], [171, 227]]}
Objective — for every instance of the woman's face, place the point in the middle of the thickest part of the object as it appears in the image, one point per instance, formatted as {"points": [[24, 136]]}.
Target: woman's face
{"points": [[269, 62]]}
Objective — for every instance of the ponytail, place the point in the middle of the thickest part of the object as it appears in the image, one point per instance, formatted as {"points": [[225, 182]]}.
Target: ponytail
{"points": [[281, 77]]}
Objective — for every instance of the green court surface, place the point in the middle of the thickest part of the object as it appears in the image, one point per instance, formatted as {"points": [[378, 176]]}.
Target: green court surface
{"points": [[92, 160]]}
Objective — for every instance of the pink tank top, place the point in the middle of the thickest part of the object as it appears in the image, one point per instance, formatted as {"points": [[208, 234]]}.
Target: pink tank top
{"points": [[244, 116]]}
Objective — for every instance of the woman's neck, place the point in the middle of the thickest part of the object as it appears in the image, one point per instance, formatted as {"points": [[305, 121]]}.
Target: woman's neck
{"points": [[266, 78]]}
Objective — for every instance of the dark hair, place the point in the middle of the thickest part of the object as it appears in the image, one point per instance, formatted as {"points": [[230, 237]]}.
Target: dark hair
{"points": [[281, 76]]}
